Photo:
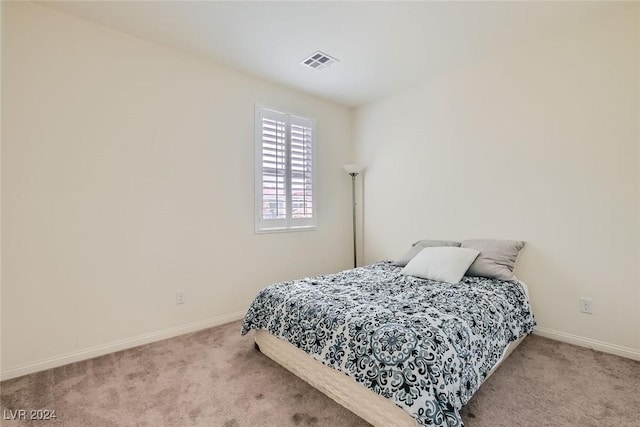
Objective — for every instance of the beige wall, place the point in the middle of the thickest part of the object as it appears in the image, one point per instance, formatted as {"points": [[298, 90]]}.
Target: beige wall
{"points": [[127, 174], [539, 143], [1, 68]]}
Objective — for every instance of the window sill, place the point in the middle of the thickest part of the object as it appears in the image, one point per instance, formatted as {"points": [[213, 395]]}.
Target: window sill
{"points": [[286, 229]]}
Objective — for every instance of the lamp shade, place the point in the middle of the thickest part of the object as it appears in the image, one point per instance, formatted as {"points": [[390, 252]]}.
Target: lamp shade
{"points": [[353, 168]]}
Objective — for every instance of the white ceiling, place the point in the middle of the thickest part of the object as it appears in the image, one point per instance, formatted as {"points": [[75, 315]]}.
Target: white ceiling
{"points": [[383, 47]]}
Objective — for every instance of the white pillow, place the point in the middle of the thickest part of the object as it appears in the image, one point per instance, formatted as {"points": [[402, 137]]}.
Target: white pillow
{"points": [[444, 264]]}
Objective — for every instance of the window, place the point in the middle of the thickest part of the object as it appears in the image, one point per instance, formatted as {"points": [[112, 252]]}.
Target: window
{"points": [[285, 188]]}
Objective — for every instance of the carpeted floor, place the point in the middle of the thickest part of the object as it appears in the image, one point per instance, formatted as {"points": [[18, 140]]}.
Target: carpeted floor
{"points": [[215, 377]]}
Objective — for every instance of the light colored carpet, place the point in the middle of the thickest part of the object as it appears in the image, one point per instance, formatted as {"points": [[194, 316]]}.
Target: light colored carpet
{"points": [[215, 377]]}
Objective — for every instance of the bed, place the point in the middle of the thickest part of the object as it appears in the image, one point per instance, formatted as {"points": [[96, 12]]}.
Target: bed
{"points": [[396, 350]]}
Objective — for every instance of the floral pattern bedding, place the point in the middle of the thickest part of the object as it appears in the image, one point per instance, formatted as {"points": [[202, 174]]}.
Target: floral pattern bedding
{"points": [[425, 344]]}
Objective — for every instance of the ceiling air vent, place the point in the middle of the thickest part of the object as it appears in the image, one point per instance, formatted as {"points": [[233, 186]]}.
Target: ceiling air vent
{"points": [[319, 60]]}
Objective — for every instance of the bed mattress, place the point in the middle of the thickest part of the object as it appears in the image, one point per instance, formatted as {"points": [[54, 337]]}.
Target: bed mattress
{"points": [[424, 345], [371, 407]]}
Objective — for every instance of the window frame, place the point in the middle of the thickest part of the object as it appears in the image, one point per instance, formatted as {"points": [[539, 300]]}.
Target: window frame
{"points": [[289, 224]]}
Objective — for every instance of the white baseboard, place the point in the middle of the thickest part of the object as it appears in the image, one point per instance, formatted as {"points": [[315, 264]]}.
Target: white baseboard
{"points": [[103, 349], [605, 347], [100, 350]]}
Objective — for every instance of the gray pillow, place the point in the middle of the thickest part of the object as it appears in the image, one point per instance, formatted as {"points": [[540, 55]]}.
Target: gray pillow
{"points": [[497, 258], [436, 243], [420, 245]]}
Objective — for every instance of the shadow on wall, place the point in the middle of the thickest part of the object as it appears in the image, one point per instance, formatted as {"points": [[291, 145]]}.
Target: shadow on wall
{"points": [[534, 267]]}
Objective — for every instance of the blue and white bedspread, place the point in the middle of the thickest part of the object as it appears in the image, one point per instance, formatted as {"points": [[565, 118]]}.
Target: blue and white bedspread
{"points": [[427, 345]]}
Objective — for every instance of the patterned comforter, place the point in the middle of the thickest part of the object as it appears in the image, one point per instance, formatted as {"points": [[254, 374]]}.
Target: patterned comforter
{"points": [[427, 345]]}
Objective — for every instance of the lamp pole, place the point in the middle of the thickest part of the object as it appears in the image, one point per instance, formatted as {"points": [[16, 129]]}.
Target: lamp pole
{"points": [[353, 198], [353, 170]]}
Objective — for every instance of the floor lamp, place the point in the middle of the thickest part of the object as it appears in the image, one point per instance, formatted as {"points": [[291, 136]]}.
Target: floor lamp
{"points": [[354, 170]]}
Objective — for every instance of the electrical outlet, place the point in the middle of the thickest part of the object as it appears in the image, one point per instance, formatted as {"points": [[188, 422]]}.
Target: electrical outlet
{"points": [[585, 305], [180, 297]]}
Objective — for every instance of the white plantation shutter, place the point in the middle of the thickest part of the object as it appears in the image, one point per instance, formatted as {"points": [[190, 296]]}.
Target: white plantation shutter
{"points": [[284, 171], [273, 185], [301, 171]]}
